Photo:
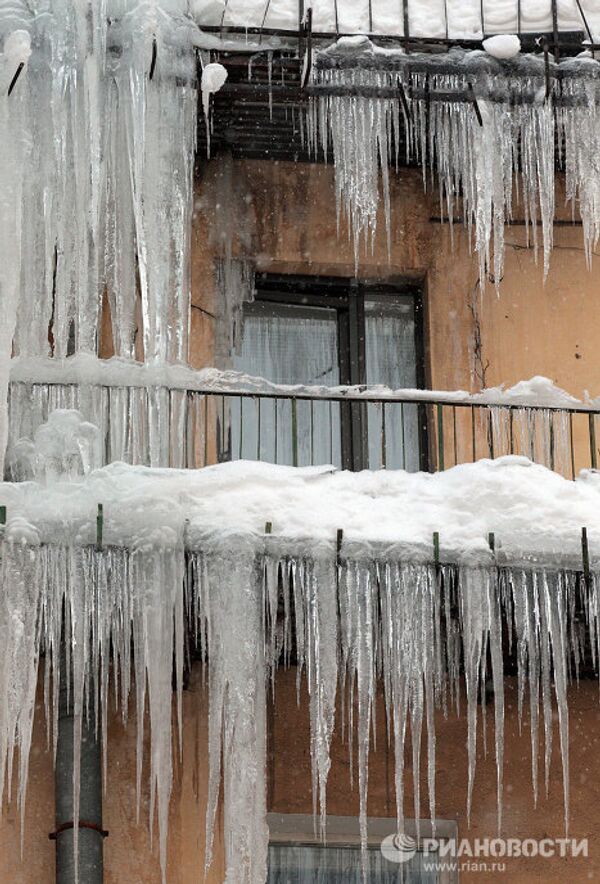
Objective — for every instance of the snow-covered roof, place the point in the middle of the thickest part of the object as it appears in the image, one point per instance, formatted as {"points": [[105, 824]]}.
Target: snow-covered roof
{"points": [[455, 19]]}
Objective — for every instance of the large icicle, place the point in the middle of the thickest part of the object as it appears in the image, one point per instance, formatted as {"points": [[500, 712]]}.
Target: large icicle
{"points": [[237, 713]]}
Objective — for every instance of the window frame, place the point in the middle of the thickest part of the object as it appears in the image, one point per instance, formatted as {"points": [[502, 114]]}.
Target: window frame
{"points": [[298, 830], [347, 297]]}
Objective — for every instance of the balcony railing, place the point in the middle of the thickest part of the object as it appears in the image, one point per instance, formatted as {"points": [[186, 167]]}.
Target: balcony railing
{"points": [[352, 428]]}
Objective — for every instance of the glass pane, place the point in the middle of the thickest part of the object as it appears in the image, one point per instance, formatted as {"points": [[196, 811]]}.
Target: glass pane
{"points": [[288, 345], [391, 360], [308, 864]]}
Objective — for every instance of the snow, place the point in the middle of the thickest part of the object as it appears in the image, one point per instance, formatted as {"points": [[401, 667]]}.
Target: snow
{"points": [[503, 46], [532, 510], [466, 19], [214, 76], [85, 369]]}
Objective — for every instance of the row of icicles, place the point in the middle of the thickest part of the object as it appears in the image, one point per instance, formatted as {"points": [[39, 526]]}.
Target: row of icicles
{"points": [[490, 150], [419, 633]]}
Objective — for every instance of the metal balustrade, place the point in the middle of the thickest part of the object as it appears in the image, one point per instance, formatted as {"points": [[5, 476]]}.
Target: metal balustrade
{"points": [[352, 429]]}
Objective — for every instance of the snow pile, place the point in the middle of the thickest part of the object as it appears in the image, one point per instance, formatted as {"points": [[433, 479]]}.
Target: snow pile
{"points": [[503, 46], [533, 511], [369, 608], [85, 370]]}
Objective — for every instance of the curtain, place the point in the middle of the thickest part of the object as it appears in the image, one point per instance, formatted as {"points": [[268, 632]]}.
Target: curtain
{"points": [[391, 360], [288, 345], [315, 864]]}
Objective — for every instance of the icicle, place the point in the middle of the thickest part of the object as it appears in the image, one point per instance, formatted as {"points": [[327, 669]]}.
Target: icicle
{"points": [[237, 717], [473, 597]]}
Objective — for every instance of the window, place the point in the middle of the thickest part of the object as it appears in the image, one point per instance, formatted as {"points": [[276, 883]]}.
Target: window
{"points": [[297, 857], [324, 332]]}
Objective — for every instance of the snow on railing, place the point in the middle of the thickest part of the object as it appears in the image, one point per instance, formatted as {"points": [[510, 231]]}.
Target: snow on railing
{"points": [[174, 416]]}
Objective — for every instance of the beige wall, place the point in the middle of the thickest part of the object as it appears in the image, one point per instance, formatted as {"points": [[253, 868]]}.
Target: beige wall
{"points": [[283, 217]]}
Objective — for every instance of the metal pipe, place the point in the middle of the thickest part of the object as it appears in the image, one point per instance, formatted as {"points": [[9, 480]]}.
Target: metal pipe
{"points": [[89, 866]]}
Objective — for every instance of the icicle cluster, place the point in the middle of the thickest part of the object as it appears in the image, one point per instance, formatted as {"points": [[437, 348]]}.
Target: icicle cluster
{"points": [[351, 625], [488, 134], [102, 125], [362, 133], [417, 630]]}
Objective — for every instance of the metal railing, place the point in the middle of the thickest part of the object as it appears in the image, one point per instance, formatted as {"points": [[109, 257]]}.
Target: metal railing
{"points": [[352, 429]]}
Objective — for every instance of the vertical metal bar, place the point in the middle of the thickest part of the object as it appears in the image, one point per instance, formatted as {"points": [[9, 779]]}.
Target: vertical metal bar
{"points": [[258, 429], [551, 418], [555, 31], [406, 19], [531, 423], [205, 430], [403, 436], [511, 434], [473, 445], [295, 432], [593, 452], [300, 29], [436, 548], [491, 433], [585, 555], [440, 428], [482, 8], [454, 433], [276, 440], [99, 526], [383, 438], [519, 17], [370, 16], [337, 18], [585, 21], [330, 431], [572, 445], [241, 446]]}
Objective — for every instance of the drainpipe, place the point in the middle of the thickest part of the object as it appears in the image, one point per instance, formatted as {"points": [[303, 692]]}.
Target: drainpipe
{"points": [[91, 833]]}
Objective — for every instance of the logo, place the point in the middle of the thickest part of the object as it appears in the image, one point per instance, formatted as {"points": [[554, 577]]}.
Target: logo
{"points": [[399, 848]]}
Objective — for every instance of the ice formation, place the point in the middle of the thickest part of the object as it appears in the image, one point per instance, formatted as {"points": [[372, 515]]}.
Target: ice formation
{"points": [[486, 129], [369, 611], [398, 625], [102, 121]]}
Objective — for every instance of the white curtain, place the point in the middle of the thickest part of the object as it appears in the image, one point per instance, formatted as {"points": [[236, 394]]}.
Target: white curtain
{"points": [[391, 360], [308, 864], [288, 345]]}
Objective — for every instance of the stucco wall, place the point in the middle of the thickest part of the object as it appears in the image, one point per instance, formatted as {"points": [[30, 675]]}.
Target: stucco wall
{"points": [[283, 217]]}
